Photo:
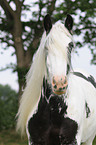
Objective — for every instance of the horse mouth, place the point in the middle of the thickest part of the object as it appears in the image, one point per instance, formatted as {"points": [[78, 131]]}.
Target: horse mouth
{"points": [[59, 92]]}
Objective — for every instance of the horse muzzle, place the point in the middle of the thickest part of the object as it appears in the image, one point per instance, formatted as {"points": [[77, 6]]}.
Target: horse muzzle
{"points": [[59, 85]]}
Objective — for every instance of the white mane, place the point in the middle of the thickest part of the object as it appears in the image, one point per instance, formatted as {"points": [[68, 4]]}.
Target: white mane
{"points": [[31, 95]]}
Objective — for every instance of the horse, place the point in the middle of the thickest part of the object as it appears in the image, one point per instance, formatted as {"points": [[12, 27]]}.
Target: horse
{"points": [[58, 105]]}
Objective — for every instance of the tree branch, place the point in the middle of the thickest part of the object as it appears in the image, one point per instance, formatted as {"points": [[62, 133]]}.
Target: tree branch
{"points": [[85, 28], [4, 40], [22, 2], [51, 7], [18, 6], [8, 10], [88, 27], [9, 66]]}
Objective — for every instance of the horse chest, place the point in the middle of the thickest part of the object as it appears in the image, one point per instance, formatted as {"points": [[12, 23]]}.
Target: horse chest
{"points": [[49, 126]]}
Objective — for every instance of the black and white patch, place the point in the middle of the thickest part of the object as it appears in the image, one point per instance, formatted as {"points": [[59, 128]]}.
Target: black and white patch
{"points": [[89, 78], [70, 48], [47, 91], [49, 126], [87, 110]]}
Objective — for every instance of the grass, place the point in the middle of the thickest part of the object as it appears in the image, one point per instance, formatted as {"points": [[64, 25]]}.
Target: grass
{"points": [[94, 142], [10, 137]]}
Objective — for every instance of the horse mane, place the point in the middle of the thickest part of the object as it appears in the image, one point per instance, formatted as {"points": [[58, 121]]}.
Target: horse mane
{"points": [[31, 94]]}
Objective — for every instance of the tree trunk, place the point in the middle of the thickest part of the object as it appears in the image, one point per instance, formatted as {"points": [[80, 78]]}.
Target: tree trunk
{"points": [[23, 57]]}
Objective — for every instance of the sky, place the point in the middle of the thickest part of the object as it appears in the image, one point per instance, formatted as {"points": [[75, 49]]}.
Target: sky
{"points": [[82, 60], [8, 77]]}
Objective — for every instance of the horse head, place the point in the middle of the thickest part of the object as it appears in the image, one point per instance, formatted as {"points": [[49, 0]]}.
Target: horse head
{"points": [[58, 47]]}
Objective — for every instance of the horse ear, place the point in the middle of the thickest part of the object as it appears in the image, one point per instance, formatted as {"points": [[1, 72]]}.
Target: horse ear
{"points": [[69, 22], [47, 23]]}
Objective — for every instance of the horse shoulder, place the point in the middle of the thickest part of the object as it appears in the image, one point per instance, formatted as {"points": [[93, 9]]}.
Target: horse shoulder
{"points": [[76, 98], [81, 106]]}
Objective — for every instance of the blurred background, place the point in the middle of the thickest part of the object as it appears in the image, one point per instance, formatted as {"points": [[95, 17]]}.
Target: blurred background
{"points": [[21, 27]]}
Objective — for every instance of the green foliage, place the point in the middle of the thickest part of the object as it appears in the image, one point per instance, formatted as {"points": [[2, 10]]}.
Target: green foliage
{"points": [[8, 107], [84, 9]]}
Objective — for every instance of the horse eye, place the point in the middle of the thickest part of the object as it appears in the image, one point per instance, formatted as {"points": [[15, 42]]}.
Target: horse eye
{"points": [[70, 46]]}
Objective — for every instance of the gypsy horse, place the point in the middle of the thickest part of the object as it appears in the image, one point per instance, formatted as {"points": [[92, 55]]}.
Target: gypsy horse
{"points": [[58, 105]]}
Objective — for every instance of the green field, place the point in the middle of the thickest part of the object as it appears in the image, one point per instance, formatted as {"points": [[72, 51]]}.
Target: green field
{"points": [[94, 143], [10, 137]]}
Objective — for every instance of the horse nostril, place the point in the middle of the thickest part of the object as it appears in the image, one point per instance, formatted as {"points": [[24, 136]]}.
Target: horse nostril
{"points": [[55, 87], [60, 89]]}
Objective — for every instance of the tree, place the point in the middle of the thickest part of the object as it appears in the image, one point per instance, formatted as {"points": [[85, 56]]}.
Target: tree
{"points": [[8, 107], [24, 35]]}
